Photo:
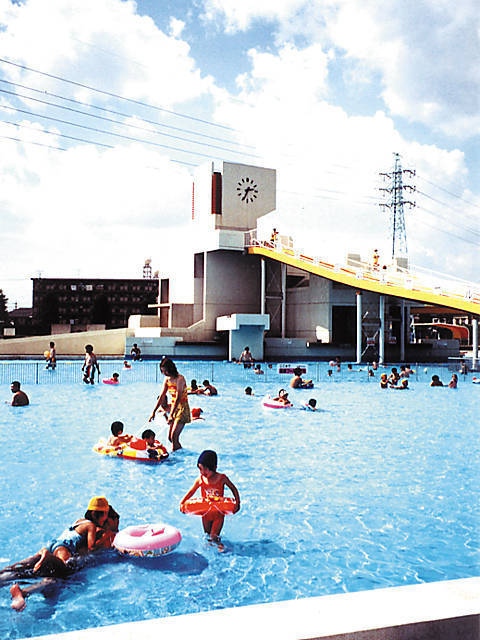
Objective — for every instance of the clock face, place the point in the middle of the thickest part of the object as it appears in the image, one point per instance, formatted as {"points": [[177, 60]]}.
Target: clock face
{"points": [[247, 190]]}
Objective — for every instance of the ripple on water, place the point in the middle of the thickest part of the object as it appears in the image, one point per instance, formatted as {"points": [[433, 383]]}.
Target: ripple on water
{"points": [[376, 489]]}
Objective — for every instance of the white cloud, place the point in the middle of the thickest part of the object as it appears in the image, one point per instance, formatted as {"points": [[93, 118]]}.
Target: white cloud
{"points": [[104, 44], [329, 162], [176, 27], [92, 210], [87, 212], [291, 74], [425, 51], [239, 16]]}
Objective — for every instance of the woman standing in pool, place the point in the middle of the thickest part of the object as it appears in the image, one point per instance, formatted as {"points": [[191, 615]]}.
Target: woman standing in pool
{"points": [[179, 412]]}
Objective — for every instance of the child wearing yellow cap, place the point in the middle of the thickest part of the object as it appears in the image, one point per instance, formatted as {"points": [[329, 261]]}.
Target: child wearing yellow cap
{"points": [[58, 559]]}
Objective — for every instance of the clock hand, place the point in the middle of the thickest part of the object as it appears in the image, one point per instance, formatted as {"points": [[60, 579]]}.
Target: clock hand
{"points": [[247, 191]]}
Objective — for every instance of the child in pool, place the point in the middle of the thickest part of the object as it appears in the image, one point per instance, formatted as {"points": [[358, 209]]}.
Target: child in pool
{"points": [[154, 447], [384, 384], [208, 389], [311, 405], [212, 484], [118, 438], [282, 397], [193, 389], [89, 365], [93, 531]]}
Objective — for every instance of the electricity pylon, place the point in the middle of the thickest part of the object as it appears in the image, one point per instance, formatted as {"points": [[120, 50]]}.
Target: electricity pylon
{"points": [[394, 193]]}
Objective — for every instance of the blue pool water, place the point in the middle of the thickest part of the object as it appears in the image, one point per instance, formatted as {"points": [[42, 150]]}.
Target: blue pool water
{"points": [[376, 489]]}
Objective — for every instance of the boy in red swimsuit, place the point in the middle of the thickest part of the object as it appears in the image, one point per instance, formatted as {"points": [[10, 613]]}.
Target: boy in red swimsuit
{"points": [[212, 485]]}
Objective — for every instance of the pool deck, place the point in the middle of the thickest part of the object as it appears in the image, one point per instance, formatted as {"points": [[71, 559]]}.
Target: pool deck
{"points": [[437, 611]]}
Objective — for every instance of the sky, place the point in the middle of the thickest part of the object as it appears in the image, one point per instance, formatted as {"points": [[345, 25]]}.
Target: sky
{"points": [[108, 106]]}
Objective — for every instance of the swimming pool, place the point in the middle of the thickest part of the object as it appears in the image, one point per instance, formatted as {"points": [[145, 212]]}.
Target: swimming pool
{"points": [[377, 488]]}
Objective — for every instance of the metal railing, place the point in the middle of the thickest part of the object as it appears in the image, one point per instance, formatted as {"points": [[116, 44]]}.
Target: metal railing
{"points": [[69, 372], [413, 278]]}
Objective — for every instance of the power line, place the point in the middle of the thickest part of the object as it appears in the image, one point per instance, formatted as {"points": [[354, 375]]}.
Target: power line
{"points": [[467, 228], [324, 193], [112, 121], [109, 133], [115, 95], [58, 135], [472, 204], [97, 144], [39, 144], [438, 229], [118, 113]]}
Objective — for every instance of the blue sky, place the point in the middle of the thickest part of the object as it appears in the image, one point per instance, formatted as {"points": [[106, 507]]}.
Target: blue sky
{"points": [[324, 91]]}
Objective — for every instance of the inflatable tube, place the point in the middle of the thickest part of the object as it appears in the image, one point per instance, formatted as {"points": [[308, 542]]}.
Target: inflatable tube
{"points": [[270, 403], [110, 381], [46, 355], [129, 453], [202, 506], [307, 384], [147, 540]]}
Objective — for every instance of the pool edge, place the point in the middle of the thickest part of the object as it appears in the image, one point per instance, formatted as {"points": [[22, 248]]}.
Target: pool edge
{"points": [[450, 608]]}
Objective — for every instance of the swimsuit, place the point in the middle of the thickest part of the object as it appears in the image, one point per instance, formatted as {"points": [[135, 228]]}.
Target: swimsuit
{"points": [[212, 490], [70, 539], [182, 412], [90, 364]]}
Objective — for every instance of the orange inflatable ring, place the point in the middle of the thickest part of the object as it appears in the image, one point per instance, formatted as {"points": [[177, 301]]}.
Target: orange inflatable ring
{"points": [[126, 452], [202, 506]]}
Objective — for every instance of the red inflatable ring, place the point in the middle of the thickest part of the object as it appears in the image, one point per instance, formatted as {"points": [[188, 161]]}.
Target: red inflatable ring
{"points": [[202, 506]]}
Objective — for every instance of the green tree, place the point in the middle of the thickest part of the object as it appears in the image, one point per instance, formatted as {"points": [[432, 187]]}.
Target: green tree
{"points": [[3, 308]]}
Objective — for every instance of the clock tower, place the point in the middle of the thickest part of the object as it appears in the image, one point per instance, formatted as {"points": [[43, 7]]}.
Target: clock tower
{"points": [[235, 197]]}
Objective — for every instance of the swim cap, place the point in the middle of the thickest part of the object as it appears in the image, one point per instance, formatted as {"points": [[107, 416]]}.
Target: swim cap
{"points": [[208, 459], [98, 503], [196, 411]]}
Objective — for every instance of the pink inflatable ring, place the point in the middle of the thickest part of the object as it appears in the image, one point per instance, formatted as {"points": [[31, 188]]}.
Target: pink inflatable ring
{"points": [[147, 540], [270, 403]]}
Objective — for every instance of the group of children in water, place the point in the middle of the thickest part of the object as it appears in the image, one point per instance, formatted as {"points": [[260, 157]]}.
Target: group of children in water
{"points": [[396, 379], [148, 441], [210, 482], [399, 379], [98, 527]]}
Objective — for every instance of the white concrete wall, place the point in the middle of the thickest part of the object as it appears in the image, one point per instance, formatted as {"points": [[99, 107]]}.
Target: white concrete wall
{"points": [[307, 308], [108, 343], [238, 213], [447, 610], [232, 285]]}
